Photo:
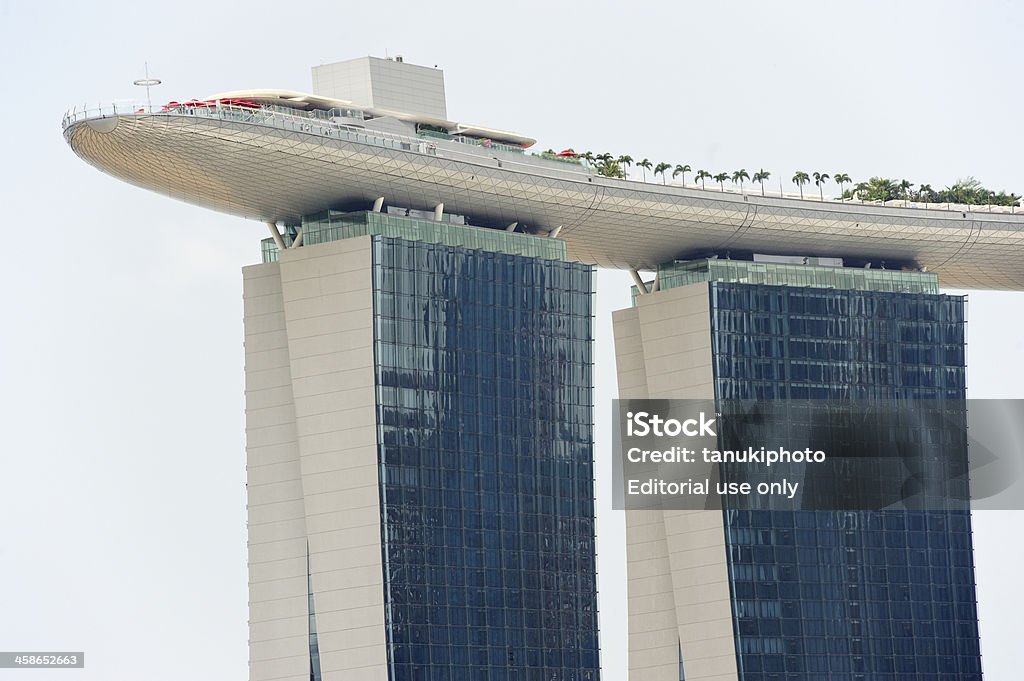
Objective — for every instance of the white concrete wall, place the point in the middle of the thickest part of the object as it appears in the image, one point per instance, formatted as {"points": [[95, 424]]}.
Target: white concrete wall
{"points": [[677, 574], [384, 83], [322, 321], [278, 632]]}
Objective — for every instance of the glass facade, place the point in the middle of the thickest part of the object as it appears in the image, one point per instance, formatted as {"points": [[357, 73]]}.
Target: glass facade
{"points": [[788, 342], [483, 374], [331, 225], [846, 595], [674, 274]]}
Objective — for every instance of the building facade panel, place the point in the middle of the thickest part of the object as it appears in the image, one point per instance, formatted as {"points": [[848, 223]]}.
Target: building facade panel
{"points": [[282, 417], [692, 620], [277, 613]]}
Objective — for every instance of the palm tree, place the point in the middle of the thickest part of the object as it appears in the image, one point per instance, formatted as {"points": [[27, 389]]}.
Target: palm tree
{"points": [[762, 176], [681, 169], [661, 168], [820, 179], [878, 189], [624, 162], [645, 165], [800, 179], [841, 179], [703, 175], [720, 178], [607, 166], [925, 193], [905, 186], [860, 190], [739, 176], [588, 156]]}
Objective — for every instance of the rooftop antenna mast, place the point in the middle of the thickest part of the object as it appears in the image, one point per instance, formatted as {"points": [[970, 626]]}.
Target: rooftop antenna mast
{"points": [[147, 83]]}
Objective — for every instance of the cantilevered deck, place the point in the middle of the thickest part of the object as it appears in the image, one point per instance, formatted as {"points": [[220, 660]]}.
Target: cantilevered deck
{"points": [[273, 164]]}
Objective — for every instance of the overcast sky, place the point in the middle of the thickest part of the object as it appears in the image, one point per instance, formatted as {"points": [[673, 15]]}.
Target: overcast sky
{"points": [[122, 501]]}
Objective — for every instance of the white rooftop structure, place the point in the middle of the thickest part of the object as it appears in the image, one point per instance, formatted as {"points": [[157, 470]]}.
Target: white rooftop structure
{"points": [[384, 84]]}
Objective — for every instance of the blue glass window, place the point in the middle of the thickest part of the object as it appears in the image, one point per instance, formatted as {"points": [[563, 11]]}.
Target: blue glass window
{"points": [[882, 595], [486, 417]]}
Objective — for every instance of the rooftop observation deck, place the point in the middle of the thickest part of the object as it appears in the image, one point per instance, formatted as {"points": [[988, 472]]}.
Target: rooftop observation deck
{"points": [[346, 123], [277, 163], [334, 123]]}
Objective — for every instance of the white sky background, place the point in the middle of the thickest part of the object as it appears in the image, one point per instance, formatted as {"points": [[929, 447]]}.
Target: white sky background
{"points": [[122, 502]]}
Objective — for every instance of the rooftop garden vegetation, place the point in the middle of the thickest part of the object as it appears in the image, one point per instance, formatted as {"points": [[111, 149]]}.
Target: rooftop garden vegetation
{"points": [[967, 191]]}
